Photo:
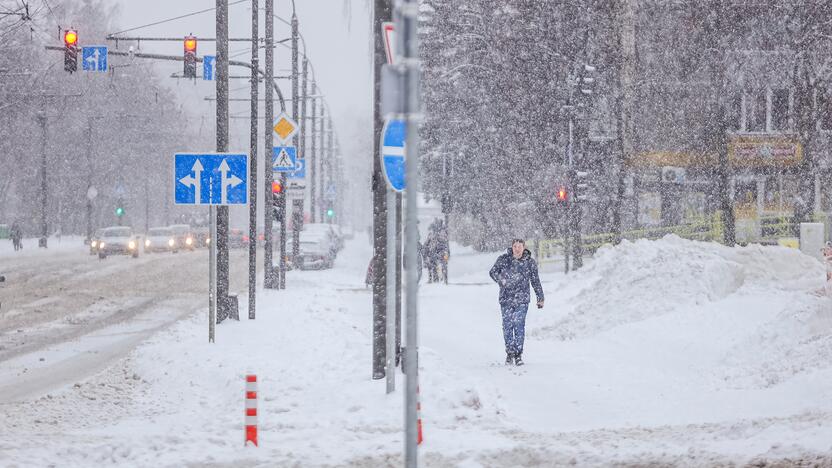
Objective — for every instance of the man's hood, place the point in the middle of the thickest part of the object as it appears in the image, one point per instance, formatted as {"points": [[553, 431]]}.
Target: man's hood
{"points": [[526, 254]]}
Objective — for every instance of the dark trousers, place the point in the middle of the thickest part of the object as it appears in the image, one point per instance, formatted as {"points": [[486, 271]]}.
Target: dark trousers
{"points": [[514, 326]]}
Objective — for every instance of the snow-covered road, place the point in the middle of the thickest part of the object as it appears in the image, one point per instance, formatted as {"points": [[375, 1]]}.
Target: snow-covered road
{"points": [[66, 314], [668, 352]]}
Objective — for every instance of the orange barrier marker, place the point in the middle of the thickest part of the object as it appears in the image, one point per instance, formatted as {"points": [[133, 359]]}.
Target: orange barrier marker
{"points": [[418, 417], [251, 409]]}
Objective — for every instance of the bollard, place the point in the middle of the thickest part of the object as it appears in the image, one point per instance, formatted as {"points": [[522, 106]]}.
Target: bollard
{"points": [[251, 409]]}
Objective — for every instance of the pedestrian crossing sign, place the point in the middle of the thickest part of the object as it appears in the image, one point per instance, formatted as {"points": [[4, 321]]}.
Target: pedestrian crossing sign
{"points": [[284, 159]]}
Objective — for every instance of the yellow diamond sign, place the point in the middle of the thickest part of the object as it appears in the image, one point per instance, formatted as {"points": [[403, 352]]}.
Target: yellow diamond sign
{"points": [[285, 127]]}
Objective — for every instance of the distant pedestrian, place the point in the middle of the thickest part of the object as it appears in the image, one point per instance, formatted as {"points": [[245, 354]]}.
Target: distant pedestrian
{"points": [[514, 271], [17, 236]]}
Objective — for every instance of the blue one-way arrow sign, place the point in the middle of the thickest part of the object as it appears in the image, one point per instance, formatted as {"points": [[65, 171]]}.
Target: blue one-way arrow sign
{"points": [[94, 58], [392, 152], [208, 62], [211, 179]]}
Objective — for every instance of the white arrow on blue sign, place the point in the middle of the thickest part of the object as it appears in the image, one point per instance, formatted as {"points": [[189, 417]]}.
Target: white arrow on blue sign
{"points": [[208, 62], [300, 170], [94, 58], [392, 152], [210, 179]]}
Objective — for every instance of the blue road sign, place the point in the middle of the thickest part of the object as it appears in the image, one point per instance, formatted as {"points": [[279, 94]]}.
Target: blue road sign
{"points": [[284, 159], [208, 63], [299, 172], [94, 58], [210, 179], [392, 152]]}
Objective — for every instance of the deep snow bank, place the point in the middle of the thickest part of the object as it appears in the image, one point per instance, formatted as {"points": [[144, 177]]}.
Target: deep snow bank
{"points": [[638, 280]]}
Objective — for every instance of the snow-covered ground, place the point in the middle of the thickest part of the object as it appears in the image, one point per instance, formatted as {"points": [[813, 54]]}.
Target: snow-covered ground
{"points": [[668, 352]]}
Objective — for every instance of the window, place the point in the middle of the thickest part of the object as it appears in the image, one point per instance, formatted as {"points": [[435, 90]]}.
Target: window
{"points": [[780, 110], [755, 111], [824, 104], [735, 113]]}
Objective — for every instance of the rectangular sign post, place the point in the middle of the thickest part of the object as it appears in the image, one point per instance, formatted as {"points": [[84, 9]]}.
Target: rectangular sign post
{"points": [[208, 62], [213, 179], [94, 58]]}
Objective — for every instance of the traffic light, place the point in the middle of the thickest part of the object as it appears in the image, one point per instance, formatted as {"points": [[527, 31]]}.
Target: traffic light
{"points": [[277, 189], [330, 213], [581, 185], [563, 195], [189, 70], [119, 212], [586, 83], [70, 50]]}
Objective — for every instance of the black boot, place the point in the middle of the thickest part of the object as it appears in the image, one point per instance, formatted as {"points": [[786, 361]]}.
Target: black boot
{"points": [[518, 359], [509, 359]]}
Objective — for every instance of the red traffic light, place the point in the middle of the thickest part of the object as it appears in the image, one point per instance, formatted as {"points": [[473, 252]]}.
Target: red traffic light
{"points": [[562, 194], [70, 37], [190, 44], [277, 187]]}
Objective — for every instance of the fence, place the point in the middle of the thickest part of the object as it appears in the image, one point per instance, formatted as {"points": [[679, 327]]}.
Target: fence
{"points": [[771, 229]]}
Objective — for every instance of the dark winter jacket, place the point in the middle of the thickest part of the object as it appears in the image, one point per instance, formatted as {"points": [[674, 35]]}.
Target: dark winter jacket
{"points": [[514, 275]]}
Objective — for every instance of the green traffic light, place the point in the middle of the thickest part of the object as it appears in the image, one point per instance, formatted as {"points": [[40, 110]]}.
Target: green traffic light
{"points": [[119, 211], [330, 212]]}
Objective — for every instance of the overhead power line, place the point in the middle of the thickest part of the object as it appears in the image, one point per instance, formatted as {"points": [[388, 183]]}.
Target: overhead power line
{"points": [[177, 18]]}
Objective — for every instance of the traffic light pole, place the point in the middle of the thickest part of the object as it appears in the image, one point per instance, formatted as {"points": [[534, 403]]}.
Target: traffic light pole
{"points": [[269, 280], [44, 229], [252, 179], [313, 160]]}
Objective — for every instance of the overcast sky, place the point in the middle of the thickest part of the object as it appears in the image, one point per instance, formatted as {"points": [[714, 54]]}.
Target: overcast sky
{"points": [[336, 34]]}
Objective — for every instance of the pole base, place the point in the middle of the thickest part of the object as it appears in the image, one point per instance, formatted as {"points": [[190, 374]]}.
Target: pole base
{"points": [[42, 242]]}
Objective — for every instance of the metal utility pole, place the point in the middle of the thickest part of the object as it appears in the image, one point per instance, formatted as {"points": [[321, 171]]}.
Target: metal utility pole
{"points": [[252, 178], [304, 91], [297, 205], [222, 147], [382, 14], [269, 280], [313, 160], [322, 152], [407, 26], [44, 229]]}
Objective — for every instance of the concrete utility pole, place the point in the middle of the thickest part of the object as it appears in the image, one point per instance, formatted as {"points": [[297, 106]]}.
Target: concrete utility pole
{"points": [[382, 14], [221, 239], [222, 147], [252, 179], [313, 160], [44, 228], [304, 93], [407, 26], [269, 280], [297, 205], [322, 152]]}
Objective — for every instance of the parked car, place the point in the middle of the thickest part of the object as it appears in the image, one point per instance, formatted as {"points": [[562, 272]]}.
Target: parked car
{"points": [[326, 230], [160, 239], [183, 236], [118, 240], [94, 241], [316, 252], [237, 239]]}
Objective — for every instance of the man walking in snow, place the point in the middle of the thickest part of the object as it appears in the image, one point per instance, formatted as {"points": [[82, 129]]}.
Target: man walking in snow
{"points": [[514, 271]]}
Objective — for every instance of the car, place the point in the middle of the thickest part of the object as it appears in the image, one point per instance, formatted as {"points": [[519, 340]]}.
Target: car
{"points": [[118, 240], [202, 236], [183, 236], [316, 252], [94, 241], [237, 238], [324, 230], [160, 239]]}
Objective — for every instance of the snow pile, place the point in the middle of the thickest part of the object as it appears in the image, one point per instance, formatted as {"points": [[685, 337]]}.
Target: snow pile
{"points": [[642, 279]]}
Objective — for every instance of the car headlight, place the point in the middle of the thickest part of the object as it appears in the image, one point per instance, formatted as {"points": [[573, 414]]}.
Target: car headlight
{"points": [[207, 241], [189, 241], [170, 242], [147, 243], [101, 245], [131, 245], [93, 244]]}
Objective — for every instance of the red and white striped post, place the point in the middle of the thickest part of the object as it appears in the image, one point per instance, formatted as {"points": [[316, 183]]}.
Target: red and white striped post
{"points": [[251, 409]]}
